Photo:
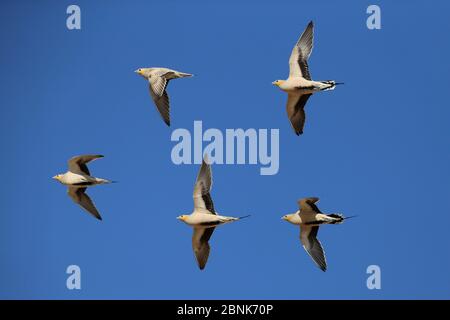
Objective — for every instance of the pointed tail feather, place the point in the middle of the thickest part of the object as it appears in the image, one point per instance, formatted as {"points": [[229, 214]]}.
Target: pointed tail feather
{"points": [[239, 218], [184, 75], [106, 181], [331, 84], [339, 218]]}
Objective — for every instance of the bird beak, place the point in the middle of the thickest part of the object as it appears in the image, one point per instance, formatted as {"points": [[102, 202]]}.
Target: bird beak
{"points": [[179, 218], [138, 72], [55, 177], [274, 83], [283, 218]]}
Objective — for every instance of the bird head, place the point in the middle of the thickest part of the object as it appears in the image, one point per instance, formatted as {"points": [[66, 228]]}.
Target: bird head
{"points": [[142, 72], [289, 218], [278, 82], [183, 217], [57, 177]]}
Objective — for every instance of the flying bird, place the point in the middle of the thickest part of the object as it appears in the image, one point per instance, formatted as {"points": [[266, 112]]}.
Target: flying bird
{"points": [[78, 178], [309, 218], [204, 219], [158, 79], [299, 85]]}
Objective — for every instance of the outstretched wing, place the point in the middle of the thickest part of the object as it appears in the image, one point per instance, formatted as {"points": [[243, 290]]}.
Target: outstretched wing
{"points": [[308, 237], [308, 205], [202, 188], [200, 245], [78, 164], [298, 62], [295, 108], [157, 87], [79, 196]]}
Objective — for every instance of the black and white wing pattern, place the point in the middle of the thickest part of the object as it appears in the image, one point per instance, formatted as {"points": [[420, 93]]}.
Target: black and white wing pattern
{"points": [[202, 188], [298, 62], [157, 86], [308, 237]]}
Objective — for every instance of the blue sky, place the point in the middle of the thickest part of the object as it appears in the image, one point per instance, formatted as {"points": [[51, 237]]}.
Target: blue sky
{"points": [[377, 147]]}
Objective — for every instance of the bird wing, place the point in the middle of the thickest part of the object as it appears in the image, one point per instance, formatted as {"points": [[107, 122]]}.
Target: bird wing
{"points": [[308, 237], [202, 188], [79, 196], [200, 245], [298, 62], [308, 205], [78, 164], [158, 83], [295, 108], [157, 87]]}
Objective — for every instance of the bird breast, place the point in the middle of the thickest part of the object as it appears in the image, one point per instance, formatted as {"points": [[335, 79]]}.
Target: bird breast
{"points": [[295, 218], [199, 218], [295, 84], [71, 178]]}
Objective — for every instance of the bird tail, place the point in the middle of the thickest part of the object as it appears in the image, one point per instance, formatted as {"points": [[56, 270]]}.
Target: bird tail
{"points": [[184, 75], [329, 85], [339, 218], [106, 181], [232, 219]]}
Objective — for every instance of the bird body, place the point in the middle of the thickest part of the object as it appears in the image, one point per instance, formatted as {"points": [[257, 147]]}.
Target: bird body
{"points": [[309, 218], [158, 79], [78, 178], [299, 84], [167, 73], [204, 218]]}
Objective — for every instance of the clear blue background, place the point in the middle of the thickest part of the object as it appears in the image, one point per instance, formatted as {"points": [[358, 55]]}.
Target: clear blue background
{"points": [[377, 147]]}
